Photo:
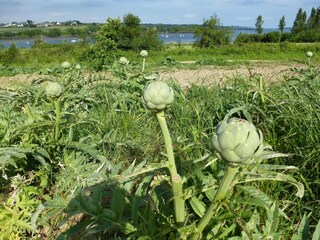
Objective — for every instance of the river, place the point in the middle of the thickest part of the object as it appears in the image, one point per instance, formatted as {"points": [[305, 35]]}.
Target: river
{"points": [[183, 38]]}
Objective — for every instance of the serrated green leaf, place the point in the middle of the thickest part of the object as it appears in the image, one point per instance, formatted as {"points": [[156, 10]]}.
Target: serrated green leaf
{"points": [[109, 215], [75, 229], [267, 154], [273, 167], [275, 176], [226, 231], [316, 234], [118, 201], [198, 206], [303, 230], [257, 194]]}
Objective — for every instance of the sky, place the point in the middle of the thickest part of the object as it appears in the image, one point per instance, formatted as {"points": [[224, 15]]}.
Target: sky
{"points": [[230, 12]]}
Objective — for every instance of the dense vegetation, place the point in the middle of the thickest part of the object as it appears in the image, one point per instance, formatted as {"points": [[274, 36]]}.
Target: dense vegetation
{"points": [[86, 160], [304, 29], [52, 31], [42, 55], [120, 153]]}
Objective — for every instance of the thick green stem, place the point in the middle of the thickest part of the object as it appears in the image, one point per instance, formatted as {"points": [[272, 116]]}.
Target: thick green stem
{"points": [[143, 64], [221, 193], [179, 202], [58, 118], [261, 89]]}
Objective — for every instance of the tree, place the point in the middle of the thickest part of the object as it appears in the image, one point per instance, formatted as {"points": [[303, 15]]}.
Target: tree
{"points": [[114, 35], [11, 54], [259, 23], [107, 37], [299, 23], [130, 32], [311, 22], [211, 33], [282, 24], [30, 23], [317, 18]]}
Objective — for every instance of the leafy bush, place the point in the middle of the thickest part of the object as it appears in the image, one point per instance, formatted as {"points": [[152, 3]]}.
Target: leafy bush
{"points": [[11, 54], [312, 35], [211, 34]]}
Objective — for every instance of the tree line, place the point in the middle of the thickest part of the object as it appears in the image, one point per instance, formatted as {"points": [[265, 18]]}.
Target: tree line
{"points": [[304, 29]]}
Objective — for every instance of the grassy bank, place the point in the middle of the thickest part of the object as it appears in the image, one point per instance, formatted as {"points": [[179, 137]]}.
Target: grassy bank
{"points": [[45, 56]]}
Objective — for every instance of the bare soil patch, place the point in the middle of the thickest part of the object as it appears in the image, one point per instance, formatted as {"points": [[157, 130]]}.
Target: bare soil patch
{"points": [[17, 79], [208, 75], [205, 75]]}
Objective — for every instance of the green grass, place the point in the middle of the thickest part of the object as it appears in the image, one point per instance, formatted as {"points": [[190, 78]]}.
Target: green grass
{"points": [[107, 137], [45, 56]]}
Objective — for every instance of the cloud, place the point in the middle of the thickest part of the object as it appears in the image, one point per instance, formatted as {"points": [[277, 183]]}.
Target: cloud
{"points": [[252, 2], [189, 15], [155, 11], [268, 18], [244, 18]]}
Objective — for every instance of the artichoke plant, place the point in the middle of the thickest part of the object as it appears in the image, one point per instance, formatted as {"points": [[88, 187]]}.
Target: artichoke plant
{"points": [[54, 89], [237, 141], [309, 54], [65, 65], [158, 95], [144, 53], [123, 61]]}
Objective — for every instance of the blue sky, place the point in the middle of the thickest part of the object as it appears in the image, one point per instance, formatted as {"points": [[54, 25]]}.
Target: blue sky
{"points": [[230, 12]]}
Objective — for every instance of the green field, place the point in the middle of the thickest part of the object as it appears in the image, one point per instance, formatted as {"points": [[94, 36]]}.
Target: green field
{"points": [[43, 56], [105, 154]]}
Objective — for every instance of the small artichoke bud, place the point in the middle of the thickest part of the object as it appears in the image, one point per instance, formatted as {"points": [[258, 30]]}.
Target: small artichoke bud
{"points": [[158, 95], [309, 54], [237, 141], [65, 65], [144, 53], [123, 61], [54, 90]]}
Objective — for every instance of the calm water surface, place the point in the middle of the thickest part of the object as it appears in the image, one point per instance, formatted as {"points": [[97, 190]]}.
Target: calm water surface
{"points": [[165, 37]]}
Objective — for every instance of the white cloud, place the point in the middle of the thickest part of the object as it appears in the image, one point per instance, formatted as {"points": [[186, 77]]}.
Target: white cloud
{"points": [[189, 15], [244, 18]]}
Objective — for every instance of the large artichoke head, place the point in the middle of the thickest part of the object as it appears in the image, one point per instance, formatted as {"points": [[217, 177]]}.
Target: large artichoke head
{"points": [[237, 141], [54, 90], [158, 95]]}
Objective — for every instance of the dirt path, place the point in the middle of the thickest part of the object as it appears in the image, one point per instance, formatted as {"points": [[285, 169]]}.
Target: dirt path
{"points": [[205, 75], [212, 74]]}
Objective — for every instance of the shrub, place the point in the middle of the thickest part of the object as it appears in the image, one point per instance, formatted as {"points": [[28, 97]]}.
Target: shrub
{"points": [[11, 54], [271, 37], [211, 33]]}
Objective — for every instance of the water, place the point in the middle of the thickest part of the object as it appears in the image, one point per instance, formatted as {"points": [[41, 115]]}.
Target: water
{"points": [[183, 38]]}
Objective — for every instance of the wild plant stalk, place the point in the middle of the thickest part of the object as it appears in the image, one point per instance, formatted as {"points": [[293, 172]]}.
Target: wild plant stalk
{"points": [[221, 193], [261, 90], [176, 181], [57, 104], [143, 64]]}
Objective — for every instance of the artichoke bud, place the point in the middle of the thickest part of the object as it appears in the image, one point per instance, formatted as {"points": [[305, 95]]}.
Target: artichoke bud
{"points": [[123, 61], [309, 54], [54, 89], [237, 141], [158, 95], [144, 53], [65, 65]]}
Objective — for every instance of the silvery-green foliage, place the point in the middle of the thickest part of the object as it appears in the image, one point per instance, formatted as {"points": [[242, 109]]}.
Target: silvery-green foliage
{"points": [[237, 141], [158, 95]]}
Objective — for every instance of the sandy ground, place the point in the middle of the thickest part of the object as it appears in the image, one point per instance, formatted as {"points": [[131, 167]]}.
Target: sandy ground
{"points": [[206, 75]]}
